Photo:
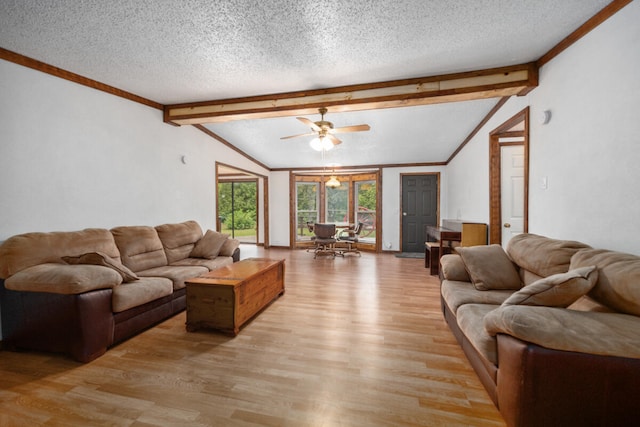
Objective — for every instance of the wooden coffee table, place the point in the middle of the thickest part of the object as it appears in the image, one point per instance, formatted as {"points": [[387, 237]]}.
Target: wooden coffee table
{"points": [[226, 298]]}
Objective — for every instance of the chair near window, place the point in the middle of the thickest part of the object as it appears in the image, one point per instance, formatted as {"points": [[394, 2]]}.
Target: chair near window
{"points": [[349, 238], [325, 239]]}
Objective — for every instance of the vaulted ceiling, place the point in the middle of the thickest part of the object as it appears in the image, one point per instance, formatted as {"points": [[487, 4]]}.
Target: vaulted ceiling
{"points": [[176, 52]]}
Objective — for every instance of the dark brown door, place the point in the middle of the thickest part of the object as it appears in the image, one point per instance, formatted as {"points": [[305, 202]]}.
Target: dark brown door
{"points": [[419, 209]]}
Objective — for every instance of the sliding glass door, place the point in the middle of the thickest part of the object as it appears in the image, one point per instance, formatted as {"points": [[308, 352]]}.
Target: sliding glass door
{"points": [[237, 209]]}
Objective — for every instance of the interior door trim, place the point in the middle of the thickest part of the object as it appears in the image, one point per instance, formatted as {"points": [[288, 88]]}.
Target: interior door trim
{"points": [[495, 197]]}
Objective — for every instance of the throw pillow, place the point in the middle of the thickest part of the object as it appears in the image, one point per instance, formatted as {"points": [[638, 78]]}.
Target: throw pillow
{"points": [[558, 290], [489, 267], [229, 247], [99, 258], [209, 246]]}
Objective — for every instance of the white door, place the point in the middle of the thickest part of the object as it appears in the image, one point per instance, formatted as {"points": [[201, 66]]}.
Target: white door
{"points": [[512, 191]]}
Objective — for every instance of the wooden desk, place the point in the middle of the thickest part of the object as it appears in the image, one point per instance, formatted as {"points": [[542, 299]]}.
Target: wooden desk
{"points": [[226, 298], [434, 247]]}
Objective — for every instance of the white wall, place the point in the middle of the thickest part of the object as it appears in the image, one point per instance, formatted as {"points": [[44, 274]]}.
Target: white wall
{"points": [[589, 151], [73, 157], [279, 209], [468, 172]]}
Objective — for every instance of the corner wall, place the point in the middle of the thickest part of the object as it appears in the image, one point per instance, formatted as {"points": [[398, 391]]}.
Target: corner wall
{"points": [[73, 157], [589, 151]]}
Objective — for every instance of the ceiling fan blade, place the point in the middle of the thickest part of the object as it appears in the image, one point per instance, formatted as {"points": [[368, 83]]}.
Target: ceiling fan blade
{"points": [[297, 136], [333, 139], [309, 123], [354, 128]]}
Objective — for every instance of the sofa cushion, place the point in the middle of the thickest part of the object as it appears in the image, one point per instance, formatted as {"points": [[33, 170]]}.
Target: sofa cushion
{"points": [[558, 290], [586, 303], [618, 284], [179, 239], [470, 318], [456, 294], [29, 249], [209, 246], [129, 295], [452, 268], [489, 267], [99, 258], [229, 247], [176, 273], [607, 334], [61, 278], [542, 255], [140, 247], [211, 264], [527, 277]]}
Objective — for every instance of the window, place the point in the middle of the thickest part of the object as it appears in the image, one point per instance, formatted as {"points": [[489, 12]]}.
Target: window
{"points": [[355, 200], [365, 208], [338, 205], [307, 203]]}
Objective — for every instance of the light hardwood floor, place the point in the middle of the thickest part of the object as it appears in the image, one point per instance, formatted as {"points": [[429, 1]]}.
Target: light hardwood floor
{"points": [[352, 342]]}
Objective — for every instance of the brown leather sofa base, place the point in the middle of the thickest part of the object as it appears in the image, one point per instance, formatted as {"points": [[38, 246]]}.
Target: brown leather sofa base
{"points": [[543, 387], [536, 386], [131, 322], [81, 326], [486, 374]]}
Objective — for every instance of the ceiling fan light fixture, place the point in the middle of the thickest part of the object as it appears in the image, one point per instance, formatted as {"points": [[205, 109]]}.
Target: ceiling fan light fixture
{"points": [[321, 143], [333, 182], [324, 132]]}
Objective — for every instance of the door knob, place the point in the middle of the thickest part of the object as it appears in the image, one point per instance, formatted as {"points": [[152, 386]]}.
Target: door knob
{"points": [[507, 225], [404, 214]]}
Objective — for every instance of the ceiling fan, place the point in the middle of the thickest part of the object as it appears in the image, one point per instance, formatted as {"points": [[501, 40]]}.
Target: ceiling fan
{"points": [[324, 132]]}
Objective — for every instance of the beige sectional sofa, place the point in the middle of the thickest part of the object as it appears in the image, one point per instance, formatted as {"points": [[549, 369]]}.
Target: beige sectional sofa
{"points": [[551, 327], [81, 292]]}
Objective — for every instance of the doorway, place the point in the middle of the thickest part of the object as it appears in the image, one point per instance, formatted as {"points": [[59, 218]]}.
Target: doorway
{"points": [[252, 225], [238, 209], [512, 190], [509, 179], [420, 198]]}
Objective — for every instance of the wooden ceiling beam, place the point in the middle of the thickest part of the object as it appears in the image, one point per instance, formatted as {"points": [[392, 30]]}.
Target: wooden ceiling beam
{"points": [[481, 84]]}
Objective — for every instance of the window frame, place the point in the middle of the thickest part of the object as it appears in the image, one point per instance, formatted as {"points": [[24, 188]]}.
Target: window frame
{"points": [[350, 180]]}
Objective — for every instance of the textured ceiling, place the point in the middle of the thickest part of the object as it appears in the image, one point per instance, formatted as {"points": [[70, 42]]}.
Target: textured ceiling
{"points": [[194, 50]]}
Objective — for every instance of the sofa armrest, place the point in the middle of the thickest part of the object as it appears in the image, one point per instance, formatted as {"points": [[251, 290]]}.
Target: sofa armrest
{"points": [[63, 278], [537, 386], [79, 325], [452, 268]]}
